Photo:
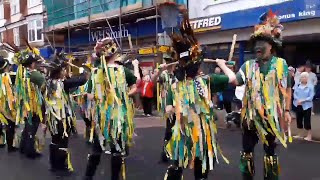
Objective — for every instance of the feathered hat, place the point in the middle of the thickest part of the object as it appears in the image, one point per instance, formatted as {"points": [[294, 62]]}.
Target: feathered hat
{"points": [[269, 29], [185, 44], [106, 47], [56, 63]]}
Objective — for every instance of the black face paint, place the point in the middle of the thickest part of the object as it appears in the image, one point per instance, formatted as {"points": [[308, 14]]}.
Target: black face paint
{"points": [[260, 50]]}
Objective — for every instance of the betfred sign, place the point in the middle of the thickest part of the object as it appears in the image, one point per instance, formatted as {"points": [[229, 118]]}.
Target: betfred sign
{"points": [[206, 24]]}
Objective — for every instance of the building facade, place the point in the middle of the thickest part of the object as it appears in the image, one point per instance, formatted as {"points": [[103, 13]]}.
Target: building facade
{"points": [[83, 22], [21, 21], [216, 22]]}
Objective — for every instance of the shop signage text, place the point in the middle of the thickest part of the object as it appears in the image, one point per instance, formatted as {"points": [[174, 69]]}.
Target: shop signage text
{"points": [[103, 33], [287, 11], [208, 23], [153, 50]]}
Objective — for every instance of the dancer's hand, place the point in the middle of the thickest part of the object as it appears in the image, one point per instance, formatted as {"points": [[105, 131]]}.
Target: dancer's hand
{"points": [[90, 96], [135, 63], [169, 109], [287, 117], [163, 67], [221, 62]]}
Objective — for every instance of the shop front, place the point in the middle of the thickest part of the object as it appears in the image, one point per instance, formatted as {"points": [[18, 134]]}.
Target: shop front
{"points": [[300, 18]]}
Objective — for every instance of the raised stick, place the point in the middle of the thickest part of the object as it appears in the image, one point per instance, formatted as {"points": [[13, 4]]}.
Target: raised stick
{"points": [[234, 39]]}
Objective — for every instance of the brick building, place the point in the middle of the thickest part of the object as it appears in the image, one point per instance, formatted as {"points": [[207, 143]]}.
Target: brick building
{"points": [[21, 20]]}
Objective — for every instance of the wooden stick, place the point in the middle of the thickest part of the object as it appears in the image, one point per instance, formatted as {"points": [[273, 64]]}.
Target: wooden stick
{"points": [[130, 42], [75, 95], [234, 39], [73, 65]]}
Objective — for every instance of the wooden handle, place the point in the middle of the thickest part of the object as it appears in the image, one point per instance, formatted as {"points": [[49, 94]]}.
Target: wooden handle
{"points": [[70, 64], [234, 39], [130, 42]]}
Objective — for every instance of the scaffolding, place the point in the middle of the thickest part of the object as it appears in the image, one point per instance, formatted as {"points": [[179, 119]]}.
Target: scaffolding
{"points": [[69, 13]]}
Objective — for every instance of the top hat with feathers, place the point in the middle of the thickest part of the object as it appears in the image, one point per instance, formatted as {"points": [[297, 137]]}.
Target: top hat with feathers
{"points": [[185, 44], [269, 29]]}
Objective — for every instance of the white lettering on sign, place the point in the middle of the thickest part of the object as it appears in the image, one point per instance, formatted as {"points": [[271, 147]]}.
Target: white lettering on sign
{"points": [[287, 16], [307, 13], [101, 34], [206, 23]]}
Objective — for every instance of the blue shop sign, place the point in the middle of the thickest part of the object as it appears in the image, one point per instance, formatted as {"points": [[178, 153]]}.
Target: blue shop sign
{"points": [[140, 29], [288, 11]]}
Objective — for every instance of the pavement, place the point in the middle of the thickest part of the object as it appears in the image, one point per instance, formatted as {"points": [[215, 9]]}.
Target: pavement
{"points": [[299, 162]]}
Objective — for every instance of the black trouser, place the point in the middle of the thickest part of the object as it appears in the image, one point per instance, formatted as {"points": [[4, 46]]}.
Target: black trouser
{"points": [[168, 134], [28, 137], [58, 156], [174, 172], [88, 123], [117, 159], [249, 140], [227, 106], [303, 118], [2, 136], [147, 105], [10, 131]]}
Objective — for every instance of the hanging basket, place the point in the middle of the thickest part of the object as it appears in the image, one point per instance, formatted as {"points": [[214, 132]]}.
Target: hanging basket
{"points": [[169, 12]]}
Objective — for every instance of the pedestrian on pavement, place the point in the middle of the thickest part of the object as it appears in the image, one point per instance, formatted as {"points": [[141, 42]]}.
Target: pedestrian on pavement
{"points": [[264, 114], [146, 90], [303, 96], [114, 109]]}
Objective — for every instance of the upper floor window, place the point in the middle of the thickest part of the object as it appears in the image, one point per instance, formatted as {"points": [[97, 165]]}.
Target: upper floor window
{"points": [[1, 37], [16, 36], [1, 11], [35, 30], [32, 3], [15, 7]]}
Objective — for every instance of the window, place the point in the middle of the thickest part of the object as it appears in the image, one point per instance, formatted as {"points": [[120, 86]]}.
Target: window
{"points": [[16, 37], [1, 37], [1, 11], [32, 3], [15, 7], [35, 30]]}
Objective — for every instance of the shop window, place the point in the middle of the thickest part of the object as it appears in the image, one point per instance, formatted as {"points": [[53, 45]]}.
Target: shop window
{"points": [[16, 37], [35, 30], [32, 3], [15, 7]]}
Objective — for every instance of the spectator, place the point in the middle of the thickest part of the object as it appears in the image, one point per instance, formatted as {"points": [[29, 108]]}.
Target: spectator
{"points": [[303, 96], [147, 95], [312, 80]]}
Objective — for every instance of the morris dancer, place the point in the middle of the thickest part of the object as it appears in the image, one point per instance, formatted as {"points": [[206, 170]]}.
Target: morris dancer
{"points": [[114, 110], [166, 79], [29, 100], [267, 98], [193, 139], [7, 108], [59, 113]]}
